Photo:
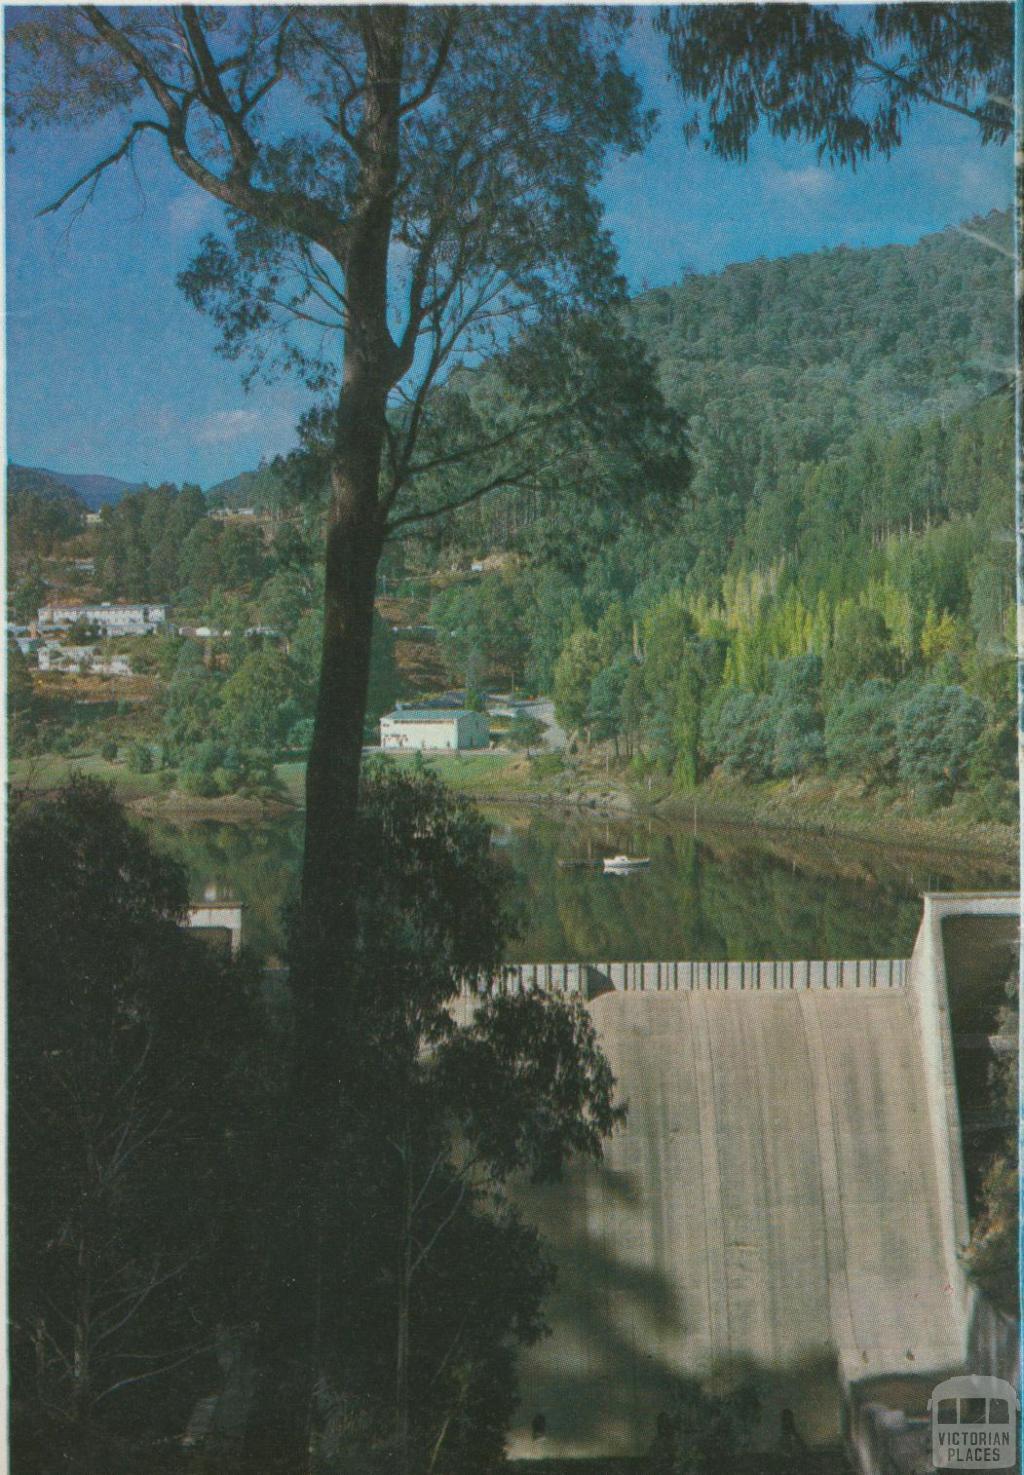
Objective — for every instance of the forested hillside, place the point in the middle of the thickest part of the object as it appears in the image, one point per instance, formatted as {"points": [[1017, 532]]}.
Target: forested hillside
{"points": [[42, 512], [832, 593], [841, 573], [782, 363], [830, 340]]}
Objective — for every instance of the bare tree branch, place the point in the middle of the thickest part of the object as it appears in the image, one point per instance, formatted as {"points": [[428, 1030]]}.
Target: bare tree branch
{"points": [[92, 176], [977, 235], [155, 1372], [506, 479]]}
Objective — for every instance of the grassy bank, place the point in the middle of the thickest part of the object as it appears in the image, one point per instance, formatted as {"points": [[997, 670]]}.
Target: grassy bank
{"points": [[51, 770], [813, 806], [820, 807], [484, 775]]}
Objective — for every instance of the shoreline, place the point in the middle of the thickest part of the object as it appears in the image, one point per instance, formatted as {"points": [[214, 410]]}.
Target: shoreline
{"points": [[830, 818], [824, 813], [817, 808]]}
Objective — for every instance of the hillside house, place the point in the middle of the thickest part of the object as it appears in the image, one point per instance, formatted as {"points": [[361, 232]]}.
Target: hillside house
{"points": [[76, 659], [68, 658], [110, 619], [419, 729]]}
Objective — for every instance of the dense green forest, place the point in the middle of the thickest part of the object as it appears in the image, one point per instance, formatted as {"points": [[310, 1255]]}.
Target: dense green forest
{"points": [[843, 566], [832, 595]]}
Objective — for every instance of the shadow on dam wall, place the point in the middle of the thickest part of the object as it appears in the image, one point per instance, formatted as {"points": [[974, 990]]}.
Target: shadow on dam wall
{"points": [[598, 1388], [783, 1207], [766, 1212]]}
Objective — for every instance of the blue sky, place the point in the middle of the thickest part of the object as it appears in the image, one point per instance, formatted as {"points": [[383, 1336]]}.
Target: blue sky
{"points": [[109, 370]]}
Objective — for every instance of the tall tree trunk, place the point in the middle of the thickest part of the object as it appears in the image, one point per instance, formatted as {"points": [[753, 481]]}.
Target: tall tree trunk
{"points": [[355, 537], [354, 543], [277, 1437]]}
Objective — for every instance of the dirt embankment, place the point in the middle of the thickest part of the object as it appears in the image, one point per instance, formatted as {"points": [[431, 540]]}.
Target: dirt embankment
{"points": [[819, 807], [814, 807], [229, 808]]}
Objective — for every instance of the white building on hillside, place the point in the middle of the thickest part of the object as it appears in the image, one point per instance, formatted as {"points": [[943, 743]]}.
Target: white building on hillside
{"points": [[76, 659], [111, 619], [417, 728], [70, 658]]}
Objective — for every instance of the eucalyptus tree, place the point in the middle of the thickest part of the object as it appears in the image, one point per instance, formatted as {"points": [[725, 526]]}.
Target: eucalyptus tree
{"points": [[406, 190], [134, 1054], [848, 83]]}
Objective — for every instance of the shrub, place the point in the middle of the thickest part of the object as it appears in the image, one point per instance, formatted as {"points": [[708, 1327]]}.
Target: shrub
{"points": [[300, 734], [860, 732], [197, 767], [799, 745], [740, 734], [140, 758], [936, 732], [525, 731], [108, 750]]}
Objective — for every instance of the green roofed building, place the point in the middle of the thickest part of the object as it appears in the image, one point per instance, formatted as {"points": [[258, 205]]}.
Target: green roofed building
{"points": [[410, 729]]}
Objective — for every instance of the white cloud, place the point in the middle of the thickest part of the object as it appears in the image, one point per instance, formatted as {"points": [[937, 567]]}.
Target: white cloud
{"points": [[190, 212], [165, 420], [811, 182], [225, 426]]}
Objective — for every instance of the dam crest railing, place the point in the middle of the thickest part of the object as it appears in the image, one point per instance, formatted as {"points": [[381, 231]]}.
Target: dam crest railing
{"points": [[789, 976]]}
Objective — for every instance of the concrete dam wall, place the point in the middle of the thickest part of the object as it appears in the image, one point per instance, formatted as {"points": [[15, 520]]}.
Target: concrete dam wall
{"points": [[785, 1201], [591, 979]]}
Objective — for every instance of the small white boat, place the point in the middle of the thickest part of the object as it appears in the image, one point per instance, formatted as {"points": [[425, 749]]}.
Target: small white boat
{"points": [[619, 864]]}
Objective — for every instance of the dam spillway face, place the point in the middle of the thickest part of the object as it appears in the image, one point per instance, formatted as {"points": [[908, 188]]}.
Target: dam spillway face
{"points": [[766, 1211], [782, 1205]]}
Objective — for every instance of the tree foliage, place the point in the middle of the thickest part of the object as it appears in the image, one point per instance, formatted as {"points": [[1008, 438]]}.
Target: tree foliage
{"points": [[849, 85], [128, 1043], [938, 727], [443, 1105]]}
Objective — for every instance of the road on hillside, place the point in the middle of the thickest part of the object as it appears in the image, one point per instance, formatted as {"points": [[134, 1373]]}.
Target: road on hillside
{"points": [[544, 711]]}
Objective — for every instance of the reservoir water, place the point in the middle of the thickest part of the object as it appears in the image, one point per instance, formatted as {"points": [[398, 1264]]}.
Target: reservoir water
{"points": [[713, 893], [771, 1137]]}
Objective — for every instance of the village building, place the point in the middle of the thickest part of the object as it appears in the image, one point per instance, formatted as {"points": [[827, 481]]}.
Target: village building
{"points": [[70, 658], [75, 659], [110, 619], [412, 729]]}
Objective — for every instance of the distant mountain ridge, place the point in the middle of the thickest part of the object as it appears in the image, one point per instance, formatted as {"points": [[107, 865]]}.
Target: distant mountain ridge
{"points": [[95, 491], [784, 361]]}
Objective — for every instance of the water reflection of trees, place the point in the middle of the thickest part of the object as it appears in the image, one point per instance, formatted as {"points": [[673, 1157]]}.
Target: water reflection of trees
{"points": [[715, 894], [257, 865], [722, 894]]}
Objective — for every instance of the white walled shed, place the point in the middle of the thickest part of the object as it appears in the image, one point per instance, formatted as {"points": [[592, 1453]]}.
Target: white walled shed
{"points": [[412, 729]]}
